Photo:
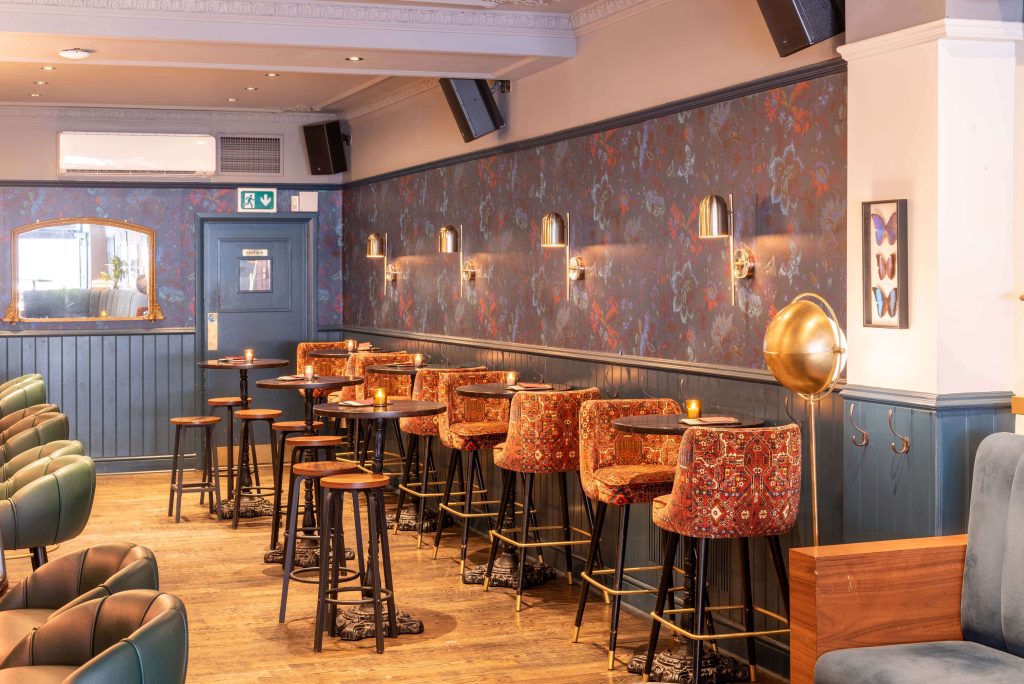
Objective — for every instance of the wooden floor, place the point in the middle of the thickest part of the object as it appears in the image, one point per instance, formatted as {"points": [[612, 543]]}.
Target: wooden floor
{"points": [[232, 601]]}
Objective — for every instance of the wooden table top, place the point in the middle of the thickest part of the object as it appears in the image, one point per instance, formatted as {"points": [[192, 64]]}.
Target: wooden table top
{"points": [[328, 382], [499, 390], [396, 408], [256, 364], [669, 424], [337, 353]]}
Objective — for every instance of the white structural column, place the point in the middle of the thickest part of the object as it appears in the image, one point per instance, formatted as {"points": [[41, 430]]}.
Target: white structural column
{"points": [[932, 113]]}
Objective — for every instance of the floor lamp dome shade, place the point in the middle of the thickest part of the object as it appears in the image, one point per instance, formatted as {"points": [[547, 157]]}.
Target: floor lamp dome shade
{"points": [[553, 230], [375, 246], [448, 240], [804, 347], [714, 217]]}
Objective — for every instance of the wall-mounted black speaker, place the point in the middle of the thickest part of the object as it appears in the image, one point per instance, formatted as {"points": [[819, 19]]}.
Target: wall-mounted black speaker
{"points": [[473, 105], [797, 24], [325, 148]]}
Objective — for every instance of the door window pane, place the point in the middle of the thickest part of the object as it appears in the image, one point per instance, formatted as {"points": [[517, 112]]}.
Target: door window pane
{"points": [[254, 275]]}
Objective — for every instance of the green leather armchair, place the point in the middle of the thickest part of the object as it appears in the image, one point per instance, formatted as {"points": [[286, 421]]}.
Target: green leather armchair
{"points": [[22, 396], [60, 447], [132, 637], [71, 580], [25, 423], [49, 430], [19, 380], [13, 417], [46, 502]]}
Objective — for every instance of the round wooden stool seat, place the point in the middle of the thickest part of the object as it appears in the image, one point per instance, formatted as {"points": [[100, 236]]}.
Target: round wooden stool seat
{"points": [[309, 441], [355, 482], [257, 414], [324, 468], [195, 421], [225, 401], [295, 425]]}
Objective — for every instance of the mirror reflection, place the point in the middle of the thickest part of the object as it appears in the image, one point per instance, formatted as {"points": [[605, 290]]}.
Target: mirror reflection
{"points": [[82, 269]]}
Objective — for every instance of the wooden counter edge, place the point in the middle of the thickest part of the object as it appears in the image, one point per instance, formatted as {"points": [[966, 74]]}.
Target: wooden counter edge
{"points": [[871, 594]]}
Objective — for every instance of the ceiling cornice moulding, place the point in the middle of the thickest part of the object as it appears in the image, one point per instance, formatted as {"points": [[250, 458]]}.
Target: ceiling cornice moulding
{"points": [[129, 114], [299, 11], [603, 12], [415, 88], [942, 29]]}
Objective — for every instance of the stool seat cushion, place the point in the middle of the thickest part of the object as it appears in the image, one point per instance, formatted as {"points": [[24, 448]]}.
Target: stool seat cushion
{"points": [[630, 484], [313, 441], [225, 401], [15, 624], [355, 482], [38, 674], [195, 421], [476, 436], [935, 662], [257, 414], [295, 425], [324, 468]]}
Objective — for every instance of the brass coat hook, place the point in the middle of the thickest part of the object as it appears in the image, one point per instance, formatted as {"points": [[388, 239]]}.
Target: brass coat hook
{"points": [[864, 438], [643, 385], [905, 447]]}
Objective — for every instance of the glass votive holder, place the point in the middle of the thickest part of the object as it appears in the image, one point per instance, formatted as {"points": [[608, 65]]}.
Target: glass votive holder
{"points": [[693, 408], [351, 345], [380, 397], [308, 373], [417, 360], [511, 378], [249, 355]]}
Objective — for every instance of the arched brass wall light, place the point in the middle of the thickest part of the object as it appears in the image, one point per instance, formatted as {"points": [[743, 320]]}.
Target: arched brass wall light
{"points": [[555, 233], [377, 248], [450, 241], [716, 221]]}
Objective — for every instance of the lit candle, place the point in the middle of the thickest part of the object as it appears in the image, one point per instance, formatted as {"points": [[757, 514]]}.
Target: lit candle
{"points": [[511, 378], [417, 359], [693, 408], [351, 345], [249, 354], [103, 314], [308, 374], [380, 397]]}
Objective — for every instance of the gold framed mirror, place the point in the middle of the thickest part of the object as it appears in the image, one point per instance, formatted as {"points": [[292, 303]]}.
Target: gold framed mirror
{"points": [[83, 269]]}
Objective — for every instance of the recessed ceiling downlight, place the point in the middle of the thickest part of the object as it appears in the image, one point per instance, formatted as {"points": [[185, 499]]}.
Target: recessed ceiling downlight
{"points": [[48, 68], [34, 95], [75, 53], [232, 99], [354, 58], [41, 82], [251, 88], [272, 75]]}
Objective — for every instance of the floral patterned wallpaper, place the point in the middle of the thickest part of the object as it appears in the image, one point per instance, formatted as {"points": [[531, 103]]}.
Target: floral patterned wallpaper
{"points": [[172, 213], [652, 287]]}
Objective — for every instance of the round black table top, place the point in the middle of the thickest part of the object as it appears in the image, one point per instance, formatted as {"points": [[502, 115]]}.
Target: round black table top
{"points": [[396, 408], [670, 425], [327, 382], [499, 390], [241, 365], [337, 353]]}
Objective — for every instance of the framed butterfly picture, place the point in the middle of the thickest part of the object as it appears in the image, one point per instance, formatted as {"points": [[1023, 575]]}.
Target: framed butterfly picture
{"points": [[885, 264]]}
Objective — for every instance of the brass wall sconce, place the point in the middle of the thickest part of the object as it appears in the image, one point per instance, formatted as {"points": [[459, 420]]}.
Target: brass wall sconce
{"points": [[450, 241], [716, 221], [555, 233], [377, 248]]}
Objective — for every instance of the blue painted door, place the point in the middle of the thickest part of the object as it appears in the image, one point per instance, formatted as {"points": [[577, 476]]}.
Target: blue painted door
{"points": [[256, 294]]}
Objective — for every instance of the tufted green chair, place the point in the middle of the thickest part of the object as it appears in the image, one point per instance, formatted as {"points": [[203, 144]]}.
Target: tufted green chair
{"points": [[13, 417], [71, 580], [60, 447], [50, 430], [21, 379], [22, 396], [46, 502], [25, 423], [132, 637]]}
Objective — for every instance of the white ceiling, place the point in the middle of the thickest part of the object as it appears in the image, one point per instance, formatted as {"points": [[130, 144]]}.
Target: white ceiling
{"points": [[169, 54]]}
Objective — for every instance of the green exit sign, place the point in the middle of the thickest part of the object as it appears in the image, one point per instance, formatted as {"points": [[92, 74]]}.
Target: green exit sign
{"points": [[262, 200]]}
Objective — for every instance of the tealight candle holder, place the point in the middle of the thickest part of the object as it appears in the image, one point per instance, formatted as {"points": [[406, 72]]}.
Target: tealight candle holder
{"points": [[351, 345], [249, 354], [511, 378], [693, 408], [380, 397], [417, 360], [308, 374]]}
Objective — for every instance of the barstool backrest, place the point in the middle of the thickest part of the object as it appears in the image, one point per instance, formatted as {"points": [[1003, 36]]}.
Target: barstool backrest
{"points": [[396, 385], [22, 395], [13, 417], [21, 379], [463, 409], [544, 431], [332, 366], [53, 428], [735, 482], [601, 445], [425, 388]]}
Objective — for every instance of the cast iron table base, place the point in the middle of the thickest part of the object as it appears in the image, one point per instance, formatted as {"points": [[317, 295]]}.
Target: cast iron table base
{"points": [[676, 665], [356, 624], [410, 523], [251, 507], [306, 556], [506, 573]]}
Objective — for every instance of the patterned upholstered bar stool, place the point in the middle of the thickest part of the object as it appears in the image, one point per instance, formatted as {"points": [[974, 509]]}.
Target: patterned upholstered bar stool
{"points": [[203, 424], [543, 438], [248, 417], [229, 404], [469, 425], [729, 484], [398, 387], [425, 388], [620, 469]]}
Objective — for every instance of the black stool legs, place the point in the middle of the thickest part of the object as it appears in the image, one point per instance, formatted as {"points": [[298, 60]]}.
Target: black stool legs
{"points": [[210, 476]]}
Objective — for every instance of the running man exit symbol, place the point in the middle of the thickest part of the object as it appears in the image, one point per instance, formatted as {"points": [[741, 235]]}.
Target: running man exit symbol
{"points": [[263, 200]]}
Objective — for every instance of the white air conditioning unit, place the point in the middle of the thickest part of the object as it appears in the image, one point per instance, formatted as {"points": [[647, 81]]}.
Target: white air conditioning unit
{"points": [[137, 154]]}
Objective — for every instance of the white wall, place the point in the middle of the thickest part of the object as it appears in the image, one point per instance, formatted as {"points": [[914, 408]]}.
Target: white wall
{"points": [[28, 138], [659, 52]]}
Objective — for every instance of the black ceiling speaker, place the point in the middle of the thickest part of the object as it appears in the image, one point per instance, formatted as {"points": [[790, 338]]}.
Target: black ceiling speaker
{"points": [[473, 105], [797, 24], [325, 148]]}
